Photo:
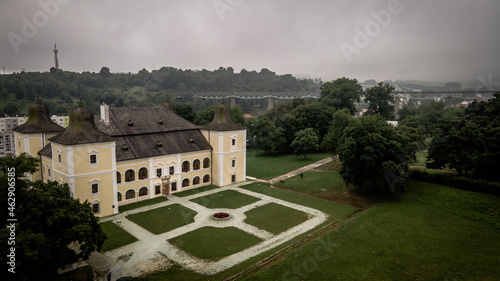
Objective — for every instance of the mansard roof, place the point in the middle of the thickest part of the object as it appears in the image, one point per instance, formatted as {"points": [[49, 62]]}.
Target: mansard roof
{"points": [[125, 121], [46, 151], [39, 121], [222, 120], [81, 129], [165, 143]]}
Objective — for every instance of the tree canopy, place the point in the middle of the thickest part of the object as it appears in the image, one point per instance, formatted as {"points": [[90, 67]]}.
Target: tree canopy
{"points": [[49, 220], [306, 141], [380, 100], [374, 155], [341, 93]]}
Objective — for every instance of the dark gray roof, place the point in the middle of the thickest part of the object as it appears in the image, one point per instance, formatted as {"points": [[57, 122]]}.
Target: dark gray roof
{"points": [[81, 129], [142, 120], [46, 151], [222, 120], [39, 121], [165, 143]]}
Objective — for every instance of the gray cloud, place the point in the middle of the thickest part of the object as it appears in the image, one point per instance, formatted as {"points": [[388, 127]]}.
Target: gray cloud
{"points": [[427, 40]]}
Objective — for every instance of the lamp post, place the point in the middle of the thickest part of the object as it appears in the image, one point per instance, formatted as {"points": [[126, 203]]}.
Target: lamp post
{"points": [[165, 180]]}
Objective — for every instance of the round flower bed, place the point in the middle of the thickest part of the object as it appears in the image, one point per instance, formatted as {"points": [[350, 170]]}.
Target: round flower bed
{"points": [[221, 216]]}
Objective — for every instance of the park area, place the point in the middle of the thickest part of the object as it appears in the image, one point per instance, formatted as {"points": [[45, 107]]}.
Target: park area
{"points": [[306, 227]]}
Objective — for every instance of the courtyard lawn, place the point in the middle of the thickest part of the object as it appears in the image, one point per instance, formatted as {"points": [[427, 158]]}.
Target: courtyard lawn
{"points": [[334, 165], [265, 217], [214, 243], [163, 219], [195, 190], [225, 199], [328, 186], [117, 237], [264, 166], [145, 202], [433, 233]]}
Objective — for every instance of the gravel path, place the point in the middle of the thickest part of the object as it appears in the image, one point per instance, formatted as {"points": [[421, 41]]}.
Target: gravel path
{"points": [[149, 251]]}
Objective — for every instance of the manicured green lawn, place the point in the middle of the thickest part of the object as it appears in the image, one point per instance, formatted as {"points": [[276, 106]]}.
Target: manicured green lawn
{"points": [[433, 233], [164, 219], [334, 165], [195, 190], [214, 243], [275, 218], [264, 166], [139, 204], [117, 237], [225, 199], [421, 158], [321, 181]]}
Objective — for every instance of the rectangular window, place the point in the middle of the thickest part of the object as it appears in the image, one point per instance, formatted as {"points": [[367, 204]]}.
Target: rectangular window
{"points": [[174, 186], [233, 178], [171, 170], [158, 173], [95, 188], [95, 208], [157, 189], [59, 158], [233, 142], [233, 163], [93, 159], [48, 171]]}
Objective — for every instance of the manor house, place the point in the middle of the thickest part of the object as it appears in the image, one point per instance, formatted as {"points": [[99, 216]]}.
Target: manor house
{"points": [[129, 154]]}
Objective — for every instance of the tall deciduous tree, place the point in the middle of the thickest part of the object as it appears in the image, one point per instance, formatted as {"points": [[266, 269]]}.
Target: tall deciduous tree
{"points": [[341, 93], [306, 141], [379, 99], [267, 136], [341, 119], [49, 220], [374, 155]]}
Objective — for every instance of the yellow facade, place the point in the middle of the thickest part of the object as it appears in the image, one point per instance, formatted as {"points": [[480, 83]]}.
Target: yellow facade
{"points": [[229, 156], [94, 174]]}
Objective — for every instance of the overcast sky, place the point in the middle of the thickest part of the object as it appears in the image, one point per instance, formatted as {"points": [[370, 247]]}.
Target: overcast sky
{"points": [[448, 40]]}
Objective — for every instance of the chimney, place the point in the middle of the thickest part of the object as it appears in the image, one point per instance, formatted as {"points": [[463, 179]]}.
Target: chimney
{"points": [[105, 113]]}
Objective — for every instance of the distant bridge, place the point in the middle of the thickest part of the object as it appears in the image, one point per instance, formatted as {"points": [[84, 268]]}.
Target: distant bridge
{"points": [[400, 96]]}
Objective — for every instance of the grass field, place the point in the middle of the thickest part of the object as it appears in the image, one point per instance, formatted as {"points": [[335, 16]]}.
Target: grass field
{"points": [[195, 190], [117, 237], [263, 166], [264, 217], [433, 233], [225, 199], [214, 243], [163, 219], [146, 202]]}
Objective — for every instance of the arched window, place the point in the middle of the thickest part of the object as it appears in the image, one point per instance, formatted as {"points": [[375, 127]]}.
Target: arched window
{"points": [[143, 173], [185, 166], [130, 194], [143, 191], [196, 164], [206, 163], [119, 196], [206, 178], [196, 180], [129, 175], [185, 183], [118, 177]]}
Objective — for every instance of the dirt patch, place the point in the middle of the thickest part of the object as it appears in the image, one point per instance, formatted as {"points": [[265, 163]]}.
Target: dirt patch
{"points": [[159, 262]]}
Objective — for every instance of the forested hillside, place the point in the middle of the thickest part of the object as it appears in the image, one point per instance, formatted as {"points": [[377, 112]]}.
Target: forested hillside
{"points": [[60, 90]]}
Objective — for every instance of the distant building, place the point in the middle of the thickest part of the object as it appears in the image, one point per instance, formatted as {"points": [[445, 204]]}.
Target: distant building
{"points": [[7, 124], [7, 146], [131, 154]]}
